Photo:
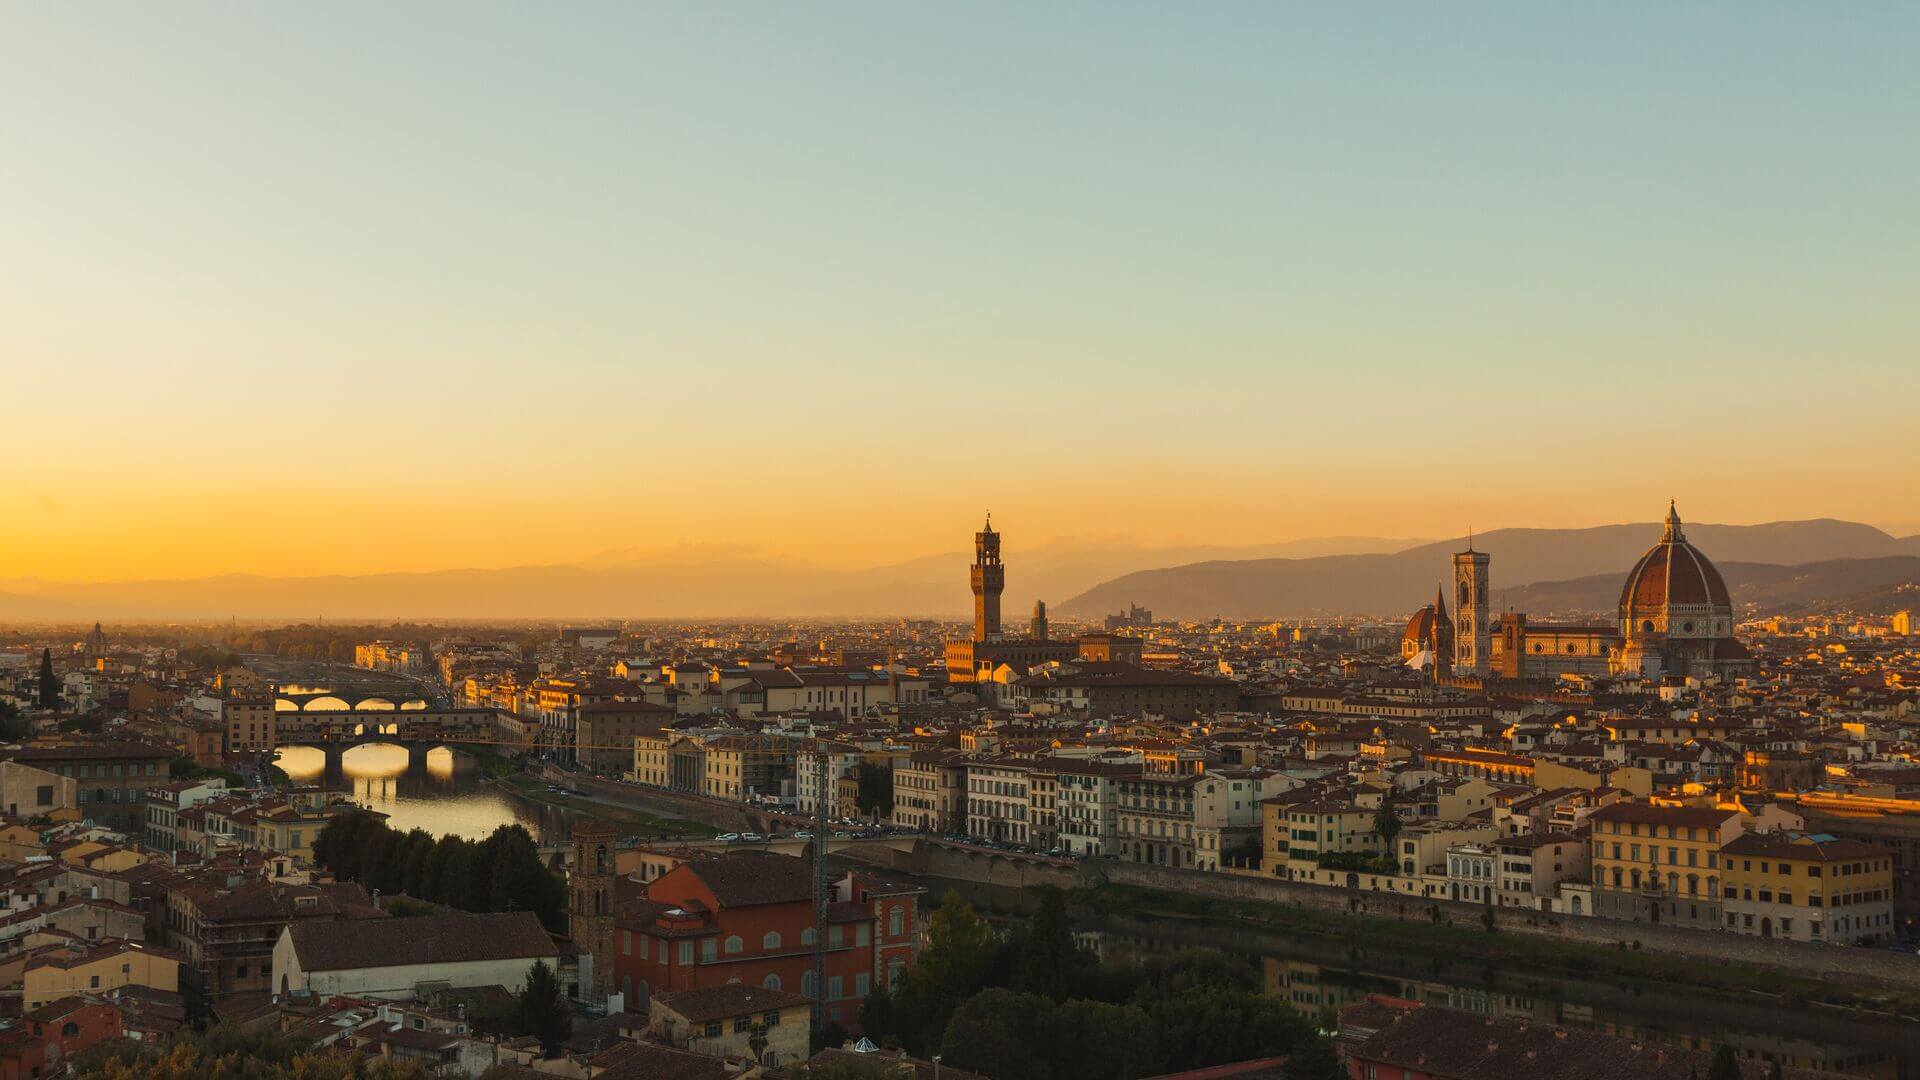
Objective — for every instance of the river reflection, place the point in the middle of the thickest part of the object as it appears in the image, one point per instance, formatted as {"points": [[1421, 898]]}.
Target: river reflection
{"points": [[442, 794], [1318, 975]]}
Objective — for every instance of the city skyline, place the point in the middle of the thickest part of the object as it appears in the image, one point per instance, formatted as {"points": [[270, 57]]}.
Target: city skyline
{"points": [[371, 291]]}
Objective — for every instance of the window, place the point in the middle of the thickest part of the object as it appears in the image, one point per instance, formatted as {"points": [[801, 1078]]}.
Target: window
{"points": [[734, 944], [771, 982], [742, 1025], [771, 1019], [686, 952], [771, 941], [713, 1029], [70, 1028]]}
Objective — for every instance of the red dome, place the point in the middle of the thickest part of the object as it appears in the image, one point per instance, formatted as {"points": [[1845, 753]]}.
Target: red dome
{"points": [[1672, 572], [1422, 628]]}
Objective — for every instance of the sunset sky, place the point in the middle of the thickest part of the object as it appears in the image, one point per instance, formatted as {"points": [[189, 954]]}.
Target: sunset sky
{"points": [[361, 287]]}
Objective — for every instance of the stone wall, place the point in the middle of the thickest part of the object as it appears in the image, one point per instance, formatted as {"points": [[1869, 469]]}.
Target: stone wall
{"points": [[719, 813], [1880, 966]]}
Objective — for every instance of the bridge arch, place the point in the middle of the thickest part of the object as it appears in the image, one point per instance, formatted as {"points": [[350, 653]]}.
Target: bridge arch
{"points": [[374, 704], [326, 703]]}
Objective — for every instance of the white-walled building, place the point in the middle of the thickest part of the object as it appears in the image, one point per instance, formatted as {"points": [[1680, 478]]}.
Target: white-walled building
{"points": [[390, 958]]}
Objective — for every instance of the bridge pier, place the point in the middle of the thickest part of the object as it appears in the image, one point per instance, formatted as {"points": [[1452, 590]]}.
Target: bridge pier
{"points": [[417, 756]]}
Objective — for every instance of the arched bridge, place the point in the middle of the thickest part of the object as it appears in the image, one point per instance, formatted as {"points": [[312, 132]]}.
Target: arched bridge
{"points": [[316, 700], [418, 730]]}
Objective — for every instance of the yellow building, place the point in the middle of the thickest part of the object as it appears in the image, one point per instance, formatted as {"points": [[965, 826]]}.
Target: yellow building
{"points": [[1294, 836], [741, 766], [60, 972], [1808, 888], [1660, 864]]}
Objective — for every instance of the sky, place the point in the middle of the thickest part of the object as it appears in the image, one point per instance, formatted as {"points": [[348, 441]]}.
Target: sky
{"points": [[356, 287]]}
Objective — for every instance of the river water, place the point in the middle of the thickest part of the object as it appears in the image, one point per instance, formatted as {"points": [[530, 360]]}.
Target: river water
{"points": [[447, 795], [1315, 975]]}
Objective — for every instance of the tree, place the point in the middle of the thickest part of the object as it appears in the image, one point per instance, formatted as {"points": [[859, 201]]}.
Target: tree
{"points": [[997, 1032], [543, 1011], [1214, 1025], [1725, 1066], [960, 956], [1386, 823], [1313, 1060], [13, 726], [876, 788], [1093, 1040], [49, 685], [1047, 960]]}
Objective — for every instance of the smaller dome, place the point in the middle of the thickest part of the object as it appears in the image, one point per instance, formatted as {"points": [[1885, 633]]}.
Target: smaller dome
{"points": [[1429, 626]]}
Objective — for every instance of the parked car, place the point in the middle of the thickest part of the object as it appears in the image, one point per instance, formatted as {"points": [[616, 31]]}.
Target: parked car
{"points": [[752, 837], [728, 837]]}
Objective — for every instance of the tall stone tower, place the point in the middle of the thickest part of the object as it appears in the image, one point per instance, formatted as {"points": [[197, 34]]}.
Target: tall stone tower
{"points": [[590, 906], [1473, 633], [1039, 630], [989, 578]]}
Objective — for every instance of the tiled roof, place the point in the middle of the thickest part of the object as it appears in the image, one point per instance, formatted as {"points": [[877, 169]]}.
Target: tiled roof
{"points": [[448, 938], [746, 880], [731, 999]]}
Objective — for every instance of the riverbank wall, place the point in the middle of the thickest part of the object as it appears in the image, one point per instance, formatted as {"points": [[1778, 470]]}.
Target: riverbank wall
{"points": [[1878, 967]]}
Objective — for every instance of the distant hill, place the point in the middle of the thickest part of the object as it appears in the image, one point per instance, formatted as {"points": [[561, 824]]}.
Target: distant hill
{"points": [[675, 582], [1084, 576], [1384, 584], [1869, 586]]}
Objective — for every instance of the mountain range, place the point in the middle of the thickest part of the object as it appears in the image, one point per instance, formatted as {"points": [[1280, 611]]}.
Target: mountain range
{"points": [[683, 581], [1542, 571]]}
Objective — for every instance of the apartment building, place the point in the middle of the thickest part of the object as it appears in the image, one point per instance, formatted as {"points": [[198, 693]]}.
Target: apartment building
{"points": [[249, 723], [930, 791], [742, 767], [1318, 828], [1085, 794], [1153, 820], [110, 777], [811, 784], [1532, 868], [1660, 864], [999, 800], [605, 731], [1808, 888], [96, 968]]}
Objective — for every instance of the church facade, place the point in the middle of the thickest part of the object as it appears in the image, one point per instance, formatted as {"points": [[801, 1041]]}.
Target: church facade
{"points": [[1675, 618]]}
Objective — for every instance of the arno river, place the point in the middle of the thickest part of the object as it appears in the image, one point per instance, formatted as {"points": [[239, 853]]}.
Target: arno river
{"points": [[447, 796], [1312, 974]]}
